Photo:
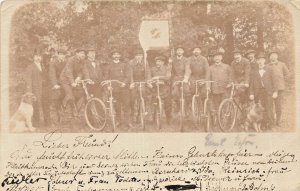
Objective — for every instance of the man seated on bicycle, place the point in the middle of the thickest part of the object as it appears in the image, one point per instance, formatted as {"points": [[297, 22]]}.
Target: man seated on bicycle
{"points": [[180, 72], [241, 75], [55, 68], [69, 78], [139, 72], [199, 70], [221, 74], [120, 70], [163, 72], [93, 71]]}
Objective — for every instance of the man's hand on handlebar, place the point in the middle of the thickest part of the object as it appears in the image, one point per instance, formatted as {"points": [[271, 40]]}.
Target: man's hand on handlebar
{"points": [[56, 87], [122, 84], [74, 84], [131, 86], [149, 85]]}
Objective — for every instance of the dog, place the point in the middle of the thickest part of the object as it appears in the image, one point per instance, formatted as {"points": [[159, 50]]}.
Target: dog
{"points": [[255, 114], [21, 120]]}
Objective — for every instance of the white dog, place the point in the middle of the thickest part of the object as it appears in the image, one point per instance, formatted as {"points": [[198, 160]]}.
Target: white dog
{"points": [[21, 120]]}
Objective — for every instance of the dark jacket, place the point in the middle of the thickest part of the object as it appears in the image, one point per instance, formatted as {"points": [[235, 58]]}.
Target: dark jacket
{"points": [[199, 67], [138, 71], [241, 71], [117, 71], [222, 75], [36, 80], [55, 69], [280, 74], [94, 73], [258, 82], [72, 70], [180, 68]]}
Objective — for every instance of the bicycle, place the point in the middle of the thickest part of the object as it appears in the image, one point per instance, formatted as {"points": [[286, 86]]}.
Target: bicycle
{"points": [[228, 109], [111, 101], [201, 112], [95, 110], [157, 102], [182, 102], [140, 105]]}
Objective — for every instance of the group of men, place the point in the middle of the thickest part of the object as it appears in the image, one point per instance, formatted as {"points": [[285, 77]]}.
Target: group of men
{"points": [[262, 82]]}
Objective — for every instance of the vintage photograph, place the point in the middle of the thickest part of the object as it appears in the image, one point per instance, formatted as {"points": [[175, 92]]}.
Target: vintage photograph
{"points": [[152, 66]]}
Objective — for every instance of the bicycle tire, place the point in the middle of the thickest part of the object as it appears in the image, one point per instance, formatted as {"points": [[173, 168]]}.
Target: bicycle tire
{"points": [[196, 109], [112, 115], [142, 112], [94, 109], [206, 116], [229, 106], [158, 112], [182, 112]]}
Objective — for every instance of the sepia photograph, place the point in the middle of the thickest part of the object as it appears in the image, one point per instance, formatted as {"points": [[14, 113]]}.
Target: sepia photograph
{"points": [[152, 66]]}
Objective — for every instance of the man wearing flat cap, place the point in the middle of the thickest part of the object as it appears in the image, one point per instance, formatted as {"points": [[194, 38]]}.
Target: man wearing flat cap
{"points": [[280, 75], [56, 66], [162, 72], [36, 77], [92, 71], [139, 72], [241, 74], [180, 71], [262, 88], [250, 55], [120, 70], [70, 75]]}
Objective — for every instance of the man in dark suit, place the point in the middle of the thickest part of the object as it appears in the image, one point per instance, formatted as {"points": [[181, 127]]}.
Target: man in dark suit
{"points": [[93, 71], [280, 75], [261, 88], [37, 83], [72, 72]]}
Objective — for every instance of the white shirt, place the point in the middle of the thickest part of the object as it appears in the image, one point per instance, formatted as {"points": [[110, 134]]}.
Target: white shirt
{"points": [[261, 72], [39, 66]]}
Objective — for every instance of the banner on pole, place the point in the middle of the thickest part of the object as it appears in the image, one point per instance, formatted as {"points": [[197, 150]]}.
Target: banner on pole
{"points": [[154, 34]]}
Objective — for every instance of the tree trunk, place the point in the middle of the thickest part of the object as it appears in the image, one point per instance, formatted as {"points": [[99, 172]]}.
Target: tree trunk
{"points": [[260, 31], [229, 46]]}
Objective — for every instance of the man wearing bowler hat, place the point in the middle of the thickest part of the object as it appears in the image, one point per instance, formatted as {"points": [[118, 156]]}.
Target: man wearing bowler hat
{"points": [[181, 71], [120, 70], [162, 72], [36, 77], [280, 75], [69, 77], [250, 55], [241, 75], [93, 71], [261, 88]]}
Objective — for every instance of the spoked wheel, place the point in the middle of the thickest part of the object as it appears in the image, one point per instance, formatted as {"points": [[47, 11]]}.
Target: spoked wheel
{"points": [[227, 115], [95, 114], [182, 113], [205, 117], [112, 114], [196, 109], [141, 112], [158, 112]]}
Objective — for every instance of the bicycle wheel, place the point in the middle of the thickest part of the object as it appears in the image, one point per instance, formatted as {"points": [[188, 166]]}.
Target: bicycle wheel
{"points": [[196, 109], [112, 113], [95, 114], [182, 113], [205, 118], [158, 112], [227, 115], [142, 112]]}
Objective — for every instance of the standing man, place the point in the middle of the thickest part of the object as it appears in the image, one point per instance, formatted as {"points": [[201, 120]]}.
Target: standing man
{"points": [[139, 72], [37, 83], [70, 75], [55, 68], [119, 70], [280, 75], [261, 88], [250, 54], [199, 71], [163, 72], [221, 74], [180, 72], [93, 71], [241, 75]]}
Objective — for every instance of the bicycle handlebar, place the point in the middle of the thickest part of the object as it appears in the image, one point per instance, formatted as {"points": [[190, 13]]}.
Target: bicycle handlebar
{"points": [[201, 82], [105, 82], [139, 83], [179, 82], [83, 82]]}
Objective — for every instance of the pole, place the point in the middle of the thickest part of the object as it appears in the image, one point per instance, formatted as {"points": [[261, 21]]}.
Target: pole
{"points": [[145, 62]]}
